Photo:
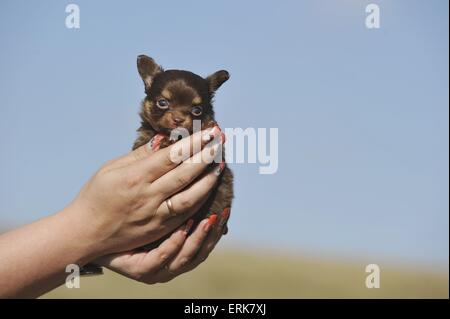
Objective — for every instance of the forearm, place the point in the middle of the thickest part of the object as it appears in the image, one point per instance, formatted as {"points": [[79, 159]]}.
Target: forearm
{"points": [[34, 257]]}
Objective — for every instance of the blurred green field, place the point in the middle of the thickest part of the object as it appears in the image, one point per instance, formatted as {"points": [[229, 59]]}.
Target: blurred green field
{"points": [[239, 274]]}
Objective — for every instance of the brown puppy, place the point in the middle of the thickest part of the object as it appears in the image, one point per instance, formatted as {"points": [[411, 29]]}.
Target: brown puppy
{"points": [[174, 99]]}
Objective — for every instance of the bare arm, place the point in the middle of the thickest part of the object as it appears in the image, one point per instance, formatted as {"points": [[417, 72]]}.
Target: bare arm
{"points": [[34, 257], [121, 207]]}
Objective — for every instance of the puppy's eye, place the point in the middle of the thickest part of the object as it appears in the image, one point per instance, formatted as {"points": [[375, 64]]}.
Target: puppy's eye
{"points": [[197, 110], [162, 104]]}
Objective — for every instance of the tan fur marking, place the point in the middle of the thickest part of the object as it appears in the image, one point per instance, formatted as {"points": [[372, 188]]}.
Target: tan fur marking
{"points": [[166, 94], [197, 100]]}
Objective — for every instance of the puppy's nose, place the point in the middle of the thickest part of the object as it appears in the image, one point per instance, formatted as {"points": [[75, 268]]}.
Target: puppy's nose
{"points": [[177, 119]]}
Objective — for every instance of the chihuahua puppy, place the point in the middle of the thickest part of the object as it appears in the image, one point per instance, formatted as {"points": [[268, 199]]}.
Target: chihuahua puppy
{"points": [[174, 99]]}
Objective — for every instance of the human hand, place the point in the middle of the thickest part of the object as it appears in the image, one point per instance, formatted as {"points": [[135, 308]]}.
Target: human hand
{"points": [[124, 202], [176, 255]]}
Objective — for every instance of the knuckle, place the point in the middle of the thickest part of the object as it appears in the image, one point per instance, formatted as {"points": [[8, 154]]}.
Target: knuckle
{"points": [[143, 276], [182, 180], [162, 256], [138, 203], [132, 180], [184, 261], [178, 240], [186, 202], [154, 192], [140, 153], [136, 155], [137, 274], [173, 156], [159, 227]]}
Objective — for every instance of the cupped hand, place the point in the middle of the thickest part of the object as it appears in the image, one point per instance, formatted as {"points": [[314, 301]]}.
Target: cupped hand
{"points": [[176, 255], [125, 201]]}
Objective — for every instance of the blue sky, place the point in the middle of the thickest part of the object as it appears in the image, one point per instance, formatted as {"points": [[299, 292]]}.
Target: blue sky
{"points": [[362, 114]]}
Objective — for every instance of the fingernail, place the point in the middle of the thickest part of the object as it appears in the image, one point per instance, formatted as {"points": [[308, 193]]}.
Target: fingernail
{"points": [[155, 141], [223, 138], [188, 226], [219, 168], [207, 136], [209, 133], [224, 216], [211, 221], [215, 130]]}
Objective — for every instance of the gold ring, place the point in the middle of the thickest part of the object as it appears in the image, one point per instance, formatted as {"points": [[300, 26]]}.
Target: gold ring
{"points": [[170, 207]]}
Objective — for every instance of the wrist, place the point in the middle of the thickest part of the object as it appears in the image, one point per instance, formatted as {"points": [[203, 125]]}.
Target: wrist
{"points": [[82, 234]]}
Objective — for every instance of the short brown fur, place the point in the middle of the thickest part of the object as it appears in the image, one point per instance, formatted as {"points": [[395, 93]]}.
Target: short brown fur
{"points": [[183, 90]]}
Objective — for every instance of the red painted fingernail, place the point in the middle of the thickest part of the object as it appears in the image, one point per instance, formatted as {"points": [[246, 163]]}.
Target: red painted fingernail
{"points": [[188, 226], [155, 141], [223, 138], [224, 216], [216, 130], [211, 221]]}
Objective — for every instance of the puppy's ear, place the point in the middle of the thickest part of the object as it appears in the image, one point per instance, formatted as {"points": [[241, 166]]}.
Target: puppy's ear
{"points": [[147, 68], [216, 80]]}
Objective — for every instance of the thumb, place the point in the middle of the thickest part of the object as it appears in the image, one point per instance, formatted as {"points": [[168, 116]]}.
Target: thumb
{"points": [[142, 151]]}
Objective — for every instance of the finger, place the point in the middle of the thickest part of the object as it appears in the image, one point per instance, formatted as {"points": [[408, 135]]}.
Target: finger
{"points": [[168, 158], [192, 246], [147, 149], [155, 259], [133, 260], [136, 155], [191, 198], [183, 175], [210, 242], [208, 245]]}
